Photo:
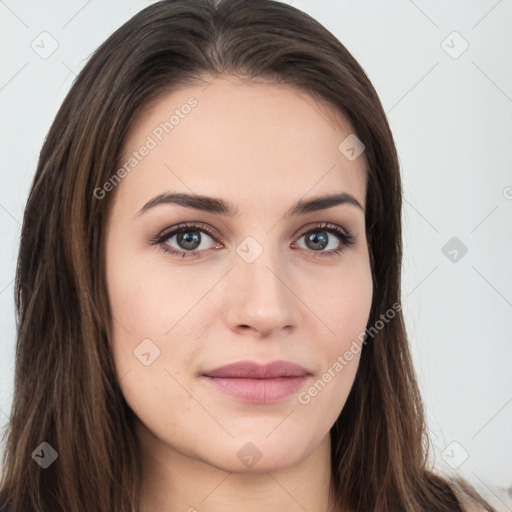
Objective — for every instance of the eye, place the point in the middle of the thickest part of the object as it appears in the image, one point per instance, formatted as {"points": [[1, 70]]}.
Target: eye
{"points": [[325, 235], [190, 239]]}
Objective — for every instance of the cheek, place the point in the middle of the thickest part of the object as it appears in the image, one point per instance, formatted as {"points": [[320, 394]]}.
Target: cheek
{"points": [[343, 302], [139, 323], [146, 317], [140, 293], [344, 307], [150, 361]]}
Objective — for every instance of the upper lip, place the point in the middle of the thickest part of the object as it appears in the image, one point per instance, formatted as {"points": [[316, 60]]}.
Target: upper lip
{"points": [[255, 370]]}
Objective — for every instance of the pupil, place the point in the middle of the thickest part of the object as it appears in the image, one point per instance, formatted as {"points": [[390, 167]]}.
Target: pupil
{"points": [[318, 242], [190, 239]]}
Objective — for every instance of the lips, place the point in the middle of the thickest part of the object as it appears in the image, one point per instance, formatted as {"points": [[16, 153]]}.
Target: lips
{"points": [[254, 370], [257, 383]]}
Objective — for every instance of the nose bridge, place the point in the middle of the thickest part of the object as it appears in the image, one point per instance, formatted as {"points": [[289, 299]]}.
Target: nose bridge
{"points": [[260, 297]]}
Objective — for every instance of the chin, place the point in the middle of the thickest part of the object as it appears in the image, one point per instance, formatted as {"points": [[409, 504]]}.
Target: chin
{"points": [[268, 462], [260, 454]]}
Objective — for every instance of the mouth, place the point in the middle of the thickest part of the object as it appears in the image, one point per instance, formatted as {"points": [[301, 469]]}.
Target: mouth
{"points": [[257, 383]]}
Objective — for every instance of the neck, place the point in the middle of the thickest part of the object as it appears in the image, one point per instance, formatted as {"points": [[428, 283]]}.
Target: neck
{"points": [[173, 481]]}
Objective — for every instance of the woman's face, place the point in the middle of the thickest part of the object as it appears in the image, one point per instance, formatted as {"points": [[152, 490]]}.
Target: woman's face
{"points": [[266, 282]]}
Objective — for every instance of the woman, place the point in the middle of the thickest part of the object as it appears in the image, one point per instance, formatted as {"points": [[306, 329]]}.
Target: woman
{"points": [[208, 283]]}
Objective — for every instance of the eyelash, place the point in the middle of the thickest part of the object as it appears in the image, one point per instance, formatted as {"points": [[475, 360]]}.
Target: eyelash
{"points": [[344, 237]]}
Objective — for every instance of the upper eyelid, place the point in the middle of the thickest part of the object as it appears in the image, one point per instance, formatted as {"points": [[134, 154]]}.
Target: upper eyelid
{"points": [[173, 230], [212, 232]]}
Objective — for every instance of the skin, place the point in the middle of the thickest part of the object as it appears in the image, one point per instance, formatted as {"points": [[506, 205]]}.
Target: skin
{"points": [[261, 147]]}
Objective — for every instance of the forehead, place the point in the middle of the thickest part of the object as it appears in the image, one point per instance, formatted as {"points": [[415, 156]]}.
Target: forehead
{"points": [[243, 140]]}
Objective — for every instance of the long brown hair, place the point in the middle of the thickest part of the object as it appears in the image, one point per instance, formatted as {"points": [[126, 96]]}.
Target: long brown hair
{"points": [[67, 392]]}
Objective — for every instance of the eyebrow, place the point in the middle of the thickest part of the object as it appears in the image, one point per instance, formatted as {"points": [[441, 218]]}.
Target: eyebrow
{"points": [[222, 207]]}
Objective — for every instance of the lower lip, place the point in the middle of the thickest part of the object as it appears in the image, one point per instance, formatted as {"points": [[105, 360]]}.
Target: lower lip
{"points": [[259, 391]]}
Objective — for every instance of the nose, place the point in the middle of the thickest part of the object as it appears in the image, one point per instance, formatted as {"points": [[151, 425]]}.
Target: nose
{"points": [[261, 299]]}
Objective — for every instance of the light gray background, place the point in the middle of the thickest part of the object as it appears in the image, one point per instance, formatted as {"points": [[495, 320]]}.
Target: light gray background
{"points": [[451, 116]]}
